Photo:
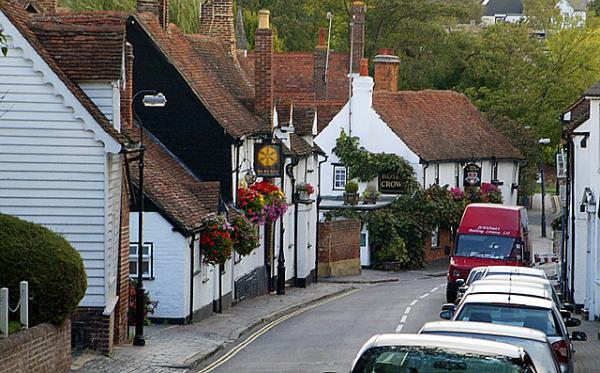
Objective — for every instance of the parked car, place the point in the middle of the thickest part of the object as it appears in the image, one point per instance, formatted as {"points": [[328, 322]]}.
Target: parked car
{"points": [[534, 342], [513, 271], [518, 310], [474, 275], [413, 353], [488, 235]]}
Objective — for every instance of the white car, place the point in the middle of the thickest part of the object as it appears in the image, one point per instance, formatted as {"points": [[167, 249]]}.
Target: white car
{"points": [[514, 271], [413, 353], [534, 342]]}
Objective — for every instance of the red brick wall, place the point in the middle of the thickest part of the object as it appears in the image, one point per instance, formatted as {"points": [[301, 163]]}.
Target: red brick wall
{"points": [[339, 240], [43, 348], [48, 6], [96, 329], [359, 10], [121, 321], [158, 7], [435, 253], [263, 74], [386, 70], [217, 20]]}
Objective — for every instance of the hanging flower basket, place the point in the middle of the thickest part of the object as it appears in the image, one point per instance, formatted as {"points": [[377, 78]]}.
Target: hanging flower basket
{"points": [[216, 241], [304, 191], [245, 236], [262, 202]]}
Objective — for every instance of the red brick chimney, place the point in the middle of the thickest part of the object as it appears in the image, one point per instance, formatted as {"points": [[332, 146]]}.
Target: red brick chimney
{"points": [[359, 10], [319, 60], [127, 91], [160, 8], [364, 67], [387, 66], [48, 6], [263, 68], [217, 20]]}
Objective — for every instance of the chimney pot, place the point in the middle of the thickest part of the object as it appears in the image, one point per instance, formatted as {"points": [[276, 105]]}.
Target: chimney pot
{"points": [[322, 33], [364, 67], [263, 19]]}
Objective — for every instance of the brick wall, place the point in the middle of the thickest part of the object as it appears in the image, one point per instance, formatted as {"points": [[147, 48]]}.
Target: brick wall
{"points": [[435, 253], [359, 10], [387, 67], [339, 248], [320, 60], [43, 348], [92, 329], [217, 20], [158, 7], [263, 74], [121, 322]]}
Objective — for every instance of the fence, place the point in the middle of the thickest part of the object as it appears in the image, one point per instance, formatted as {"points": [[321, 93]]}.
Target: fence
{"points": [[22, 306]]}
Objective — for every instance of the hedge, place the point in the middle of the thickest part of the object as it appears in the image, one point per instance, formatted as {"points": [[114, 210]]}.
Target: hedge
{"points": [[53, 268]]}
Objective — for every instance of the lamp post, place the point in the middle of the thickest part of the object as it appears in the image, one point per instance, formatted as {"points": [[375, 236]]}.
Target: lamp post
{"points": [[151, 99], [542, 142]]}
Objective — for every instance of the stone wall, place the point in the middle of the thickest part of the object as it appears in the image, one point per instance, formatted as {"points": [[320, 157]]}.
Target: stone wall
{"points": [[339, 248], [43, 348]]}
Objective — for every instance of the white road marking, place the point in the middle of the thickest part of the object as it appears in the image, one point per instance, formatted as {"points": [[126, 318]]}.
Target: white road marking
{"points": [[424, 296], [414, 302], [407, 310], [434, 289], [399, 328], [403, 320]]}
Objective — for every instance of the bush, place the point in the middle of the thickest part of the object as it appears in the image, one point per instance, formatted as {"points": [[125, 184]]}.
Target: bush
{"points": [[53, 268], [557, 223], [351, 187], [394, 252]]}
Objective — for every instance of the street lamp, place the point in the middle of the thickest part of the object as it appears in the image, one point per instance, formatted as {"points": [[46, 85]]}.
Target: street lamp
{"points": [[151, 99], [542, 142]]}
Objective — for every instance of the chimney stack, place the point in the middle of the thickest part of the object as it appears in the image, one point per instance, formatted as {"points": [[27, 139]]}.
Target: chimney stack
{"points": [[159, 8], [387, 66], [319, 60], [127, 94], [263, 68], [48, 6], [216, 20], [359, 10]]}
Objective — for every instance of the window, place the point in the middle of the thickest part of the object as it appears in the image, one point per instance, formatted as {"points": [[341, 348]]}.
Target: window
{"points": [[435, 237], [339, 176], [363, 239], [147, 260]]}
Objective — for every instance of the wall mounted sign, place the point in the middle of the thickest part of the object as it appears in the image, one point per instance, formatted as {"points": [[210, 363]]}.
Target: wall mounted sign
{"points": [[472, 175], [390, 183], [268, 160]]}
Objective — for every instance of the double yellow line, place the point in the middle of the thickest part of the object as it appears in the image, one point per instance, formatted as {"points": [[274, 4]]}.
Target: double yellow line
{"points": [[234, 351]]}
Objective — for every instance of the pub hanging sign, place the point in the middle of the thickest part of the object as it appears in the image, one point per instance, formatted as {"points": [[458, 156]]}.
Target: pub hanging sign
{"points": [[390, 183], [268, 160], [472, 175]]}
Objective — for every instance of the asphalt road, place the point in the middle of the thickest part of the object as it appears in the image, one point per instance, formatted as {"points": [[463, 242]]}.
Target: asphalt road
{"points": [[327, 338]]}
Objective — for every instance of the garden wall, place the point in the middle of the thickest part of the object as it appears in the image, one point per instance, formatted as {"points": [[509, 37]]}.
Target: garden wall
{"points": [[436, 253], [339, 248], [43, 348]]}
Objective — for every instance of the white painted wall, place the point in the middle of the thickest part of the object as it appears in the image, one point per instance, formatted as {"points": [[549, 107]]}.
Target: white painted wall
{"points": [[53, 159], [113, 185], [569, 14]]}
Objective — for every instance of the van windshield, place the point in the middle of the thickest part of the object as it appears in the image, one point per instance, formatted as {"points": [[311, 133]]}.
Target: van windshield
{"points": [[481, 246]]}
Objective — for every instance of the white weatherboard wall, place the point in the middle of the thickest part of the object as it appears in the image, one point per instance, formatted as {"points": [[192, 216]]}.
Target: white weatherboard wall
{"points": [[53, 160]]}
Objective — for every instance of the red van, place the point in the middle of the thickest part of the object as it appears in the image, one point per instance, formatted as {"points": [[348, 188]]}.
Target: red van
{"points": [[488, 235]]}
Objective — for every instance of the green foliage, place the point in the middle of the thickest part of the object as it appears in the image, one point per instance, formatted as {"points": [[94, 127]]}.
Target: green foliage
{"points": [[395, 251], [245, 236], [54, 270], [351, 187], [13, 326]]}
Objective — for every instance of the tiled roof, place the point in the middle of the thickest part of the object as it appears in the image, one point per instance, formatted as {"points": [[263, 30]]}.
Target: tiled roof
{"points": [[442, 126], [493, 7], [593, 91], [184, 53], [84, 51], [185, 200], [23, 22], [580, 113], [300, 146]]}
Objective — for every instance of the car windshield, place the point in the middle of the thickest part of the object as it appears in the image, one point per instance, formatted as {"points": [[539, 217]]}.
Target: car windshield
{"points": [[405, 359], [540, 352], [541, 319], [480, 246], [474, 275]]}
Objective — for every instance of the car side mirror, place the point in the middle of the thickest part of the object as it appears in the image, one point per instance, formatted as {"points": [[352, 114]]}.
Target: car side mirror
{"points": [[571, 322], [578, 336], [568, 307], [446, 250], [565, 314], [447, 314], [449, 307], [460, 282]]}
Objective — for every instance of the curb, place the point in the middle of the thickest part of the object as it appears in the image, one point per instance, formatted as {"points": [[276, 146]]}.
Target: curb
{"points": [[195, 361]]}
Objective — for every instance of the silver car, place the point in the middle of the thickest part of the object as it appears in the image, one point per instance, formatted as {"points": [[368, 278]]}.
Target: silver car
{"points": [[414, 353], [534, 342]]}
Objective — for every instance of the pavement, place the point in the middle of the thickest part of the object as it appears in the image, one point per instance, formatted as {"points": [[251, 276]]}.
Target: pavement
{"points": [[587, 354], [369, 276]]}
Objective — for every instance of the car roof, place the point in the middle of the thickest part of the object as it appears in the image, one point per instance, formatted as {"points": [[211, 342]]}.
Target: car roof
{"points": [[528, 279], [458, 344], [530, 289], [509, 299], [517, 270], [474, 327]]}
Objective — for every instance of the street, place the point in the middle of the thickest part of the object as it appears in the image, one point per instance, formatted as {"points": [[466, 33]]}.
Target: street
{"points": [[327, 338]]}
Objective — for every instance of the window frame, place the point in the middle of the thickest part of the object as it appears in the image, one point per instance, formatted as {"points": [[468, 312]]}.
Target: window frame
{"points": [[337, 166], [150, 256]]}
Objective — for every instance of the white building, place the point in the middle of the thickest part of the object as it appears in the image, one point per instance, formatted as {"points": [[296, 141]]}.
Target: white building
{"points": [[437, 132], [573, 11], [509, 11], [582, 276]]}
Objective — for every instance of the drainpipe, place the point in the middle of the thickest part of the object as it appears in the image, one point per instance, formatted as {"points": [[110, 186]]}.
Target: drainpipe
{"points": [[281, 257], [289, 170], [238, 144], [425, 166], [565, 221], [316, 279], [572, 281], [193, 238]]}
